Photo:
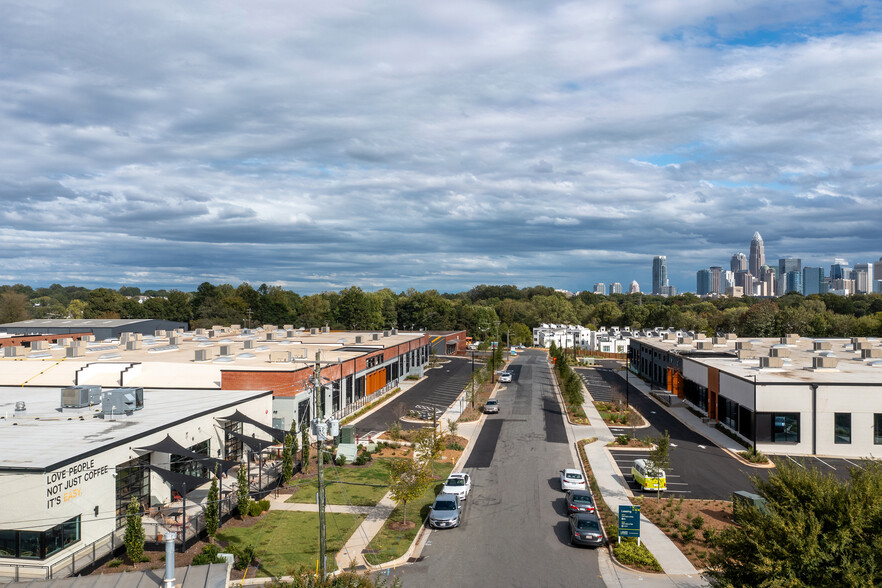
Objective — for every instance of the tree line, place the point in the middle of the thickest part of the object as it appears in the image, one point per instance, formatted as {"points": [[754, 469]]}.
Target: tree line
{"points": [[485, 312]]}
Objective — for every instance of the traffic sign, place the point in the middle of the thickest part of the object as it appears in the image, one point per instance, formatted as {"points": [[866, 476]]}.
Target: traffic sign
{"points": [[629, 521]]}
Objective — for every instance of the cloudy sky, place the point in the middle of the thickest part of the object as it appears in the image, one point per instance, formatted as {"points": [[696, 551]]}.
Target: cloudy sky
{"points": [[317, 145]]}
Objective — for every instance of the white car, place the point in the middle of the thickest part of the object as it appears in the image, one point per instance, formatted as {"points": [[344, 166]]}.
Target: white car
{"points": [[505, 377], [571, 479], [458, 484]]}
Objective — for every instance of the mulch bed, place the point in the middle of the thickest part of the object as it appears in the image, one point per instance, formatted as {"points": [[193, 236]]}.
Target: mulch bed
{"points": [[673, 516]]}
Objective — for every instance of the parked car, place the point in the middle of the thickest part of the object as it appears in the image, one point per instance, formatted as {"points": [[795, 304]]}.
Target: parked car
{"points": [[647, 476], [585, 529], [505, 377], [445, 511], [579, 501], [459, 484], [491, 406], [571, 479]]}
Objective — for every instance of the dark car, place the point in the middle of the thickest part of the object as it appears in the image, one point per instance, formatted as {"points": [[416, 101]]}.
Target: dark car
{"points": [[585, 529], [579, 501]]}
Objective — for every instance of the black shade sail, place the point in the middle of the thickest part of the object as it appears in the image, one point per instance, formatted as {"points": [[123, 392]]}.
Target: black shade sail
{"points": [[170, 446], [181, 483], [277, 434], [253, 443]]}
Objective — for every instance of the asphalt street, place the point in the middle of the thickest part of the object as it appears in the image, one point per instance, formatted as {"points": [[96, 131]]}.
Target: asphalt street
{"points": [[440, 388], [514, 530], [699, 469]]}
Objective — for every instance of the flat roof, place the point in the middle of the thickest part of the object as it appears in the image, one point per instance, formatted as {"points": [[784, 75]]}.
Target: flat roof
{"points": [[163, 365], [47, 437], [797, 368]]}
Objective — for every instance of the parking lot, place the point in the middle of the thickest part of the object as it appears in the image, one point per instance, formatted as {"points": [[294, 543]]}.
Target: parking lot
{"points": [[838, 466], [600, 388], [676, 485]]}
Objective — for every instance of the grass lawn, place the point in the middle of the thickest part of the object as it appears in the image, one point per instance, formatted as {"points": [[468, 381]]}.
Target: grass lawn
{"points": [[390, 544], [287, 541], [374, 472]]}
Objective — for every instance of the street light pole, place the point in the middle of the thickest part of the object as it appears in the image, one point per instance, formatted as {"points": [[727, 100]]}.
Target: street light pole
{"points": [[320, 461], [473, 378]]}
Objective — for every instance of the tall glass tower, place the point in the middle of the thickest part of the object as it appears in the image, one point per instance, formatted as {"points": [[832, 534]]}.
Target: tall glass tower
{"points": [[757, 255], [659, 274]]}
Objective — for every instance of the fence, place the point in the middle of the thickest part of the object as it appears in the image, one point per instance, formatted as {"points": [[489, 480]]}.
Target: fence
{"points": [[364, 401], [154, 531]]}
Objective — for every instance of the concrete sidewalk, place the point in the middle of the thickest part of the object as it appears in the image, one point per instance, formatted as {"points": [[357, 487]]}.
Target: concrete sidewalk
{"points": [[613, 489]]}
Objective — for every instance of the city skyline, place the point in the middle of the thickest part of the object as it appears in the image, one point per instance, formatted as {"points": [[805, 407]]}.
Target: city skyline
{"points": [[433, 146]]}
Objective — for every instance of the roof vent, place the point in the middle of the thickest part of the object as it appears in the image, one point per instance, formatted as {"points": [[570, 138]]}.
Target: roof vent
{"points": [[779, 352], [394, 331], [20, 409], [386, 333], [202, 355], [313, 331], [249, 343], [743, 345], [75, 351]]}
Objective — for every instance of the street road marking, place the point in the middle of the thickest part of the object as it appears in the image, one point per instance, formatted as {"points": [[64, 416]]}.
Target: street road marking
{"points": [[794, 461], [674, 445], [857, 465], [702, 447], [825, 463], [651, 412]]}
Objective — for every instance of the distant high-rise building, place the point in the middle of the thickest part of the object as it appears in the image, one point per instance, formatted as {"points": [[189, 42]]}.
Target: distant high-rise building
{"points": [[668, 291], [702, 282], [716, 280], [600, 288], [785, 266], [659, 273], [863, 278], [813, 281], [615, 288], [839, 270], [757, 255], [634, 288], [794, 281], [744, 280], [877, 276], [738, 263], [768, 281]]}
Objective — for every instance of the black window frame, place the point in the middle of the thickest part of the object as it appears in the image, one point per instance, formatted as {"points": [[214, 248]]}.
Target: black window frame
{"points": [[877, 429], [842, 428], [62, 535]]}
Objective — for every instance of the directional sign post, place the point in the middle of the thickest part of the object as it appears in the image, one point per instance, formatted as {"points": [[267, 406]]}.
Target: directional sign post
{"points": [[629, 522]]}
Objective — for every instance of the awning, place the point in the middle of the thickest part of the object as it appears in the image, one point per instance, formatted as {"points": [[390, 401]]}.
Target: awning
{"points": [[181, 483], [169, 445], [253, 443], [277, 434]]}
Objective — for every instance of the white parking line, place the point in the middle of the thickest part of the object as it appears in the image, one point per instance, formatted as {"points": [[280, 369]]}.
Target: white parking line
{"points": [[677, 484], [825, 463], [857, 465], [794, 461]]}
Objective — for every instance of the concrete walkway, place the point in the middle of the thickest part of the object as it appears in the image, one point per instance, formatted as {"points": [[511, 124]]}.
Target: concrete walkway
{"points": [[613, 489]]}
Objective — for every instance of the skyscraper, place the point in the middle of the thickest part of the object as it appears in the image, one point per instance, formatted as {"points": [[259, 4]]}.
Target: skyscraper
{"points": [[716, 280], [659, 274], [813, 280], [839, 270], [785, 266], [794, 281], [757, 255], [634, 288], [702, 282], [877, 276], [738, 263], [863, 278], [615, 288], [600, 288]]}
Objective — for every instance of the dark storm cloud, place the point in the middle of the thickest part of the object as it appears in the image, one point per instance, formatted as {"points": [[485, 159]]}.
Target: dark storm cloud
{"points": [[404, 145]]}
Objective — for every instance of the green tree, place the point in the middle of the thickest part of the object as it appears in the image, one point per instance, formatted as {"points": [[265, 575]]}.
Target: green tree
{"points": [[287, 460], [212, 508], [814, 530], [660, 456], [13, 307], [134, 535], [409, 479], [243, 496], [76, 309], [428, 446], [105, 303]]}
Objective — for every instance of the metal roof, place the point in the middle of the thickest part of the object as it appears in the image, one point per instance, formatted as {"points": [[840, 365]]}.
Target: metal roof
{"points": [[207, 576]]}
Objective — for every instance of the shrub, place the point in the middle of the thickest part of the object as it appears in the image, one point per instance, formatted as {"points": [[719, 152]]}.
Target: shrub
{"points": [[688, 535], [360, 460], [254, 509], [698, 522], [244, 557], [264, 505], [754, 456], [114, 563], [623, 439], [341, 460], [629, 553], [326, 457], [455, 446], [208, 555], [244, 508], [395, 430], [709, 536]]}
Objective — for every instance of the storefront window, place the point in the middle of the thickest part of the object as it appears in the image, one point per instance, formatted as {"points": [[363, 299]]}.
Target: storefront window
{"points": [[877, 429], [786, 427], [37, 544], [132, 480]]}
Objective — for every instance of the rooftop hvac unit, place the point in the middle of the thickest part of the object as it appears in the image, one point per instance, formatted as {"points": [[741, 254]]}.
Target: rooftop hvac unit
{"points": [[133, 345], [80, 396], [290, 333], [13, 351], [743, 345], [720, 341], [779, 352], [822, 345], [375, 336], [704, 345], [867, 353], [824, 362], [174, 340], [159, 333], [235, 327], [700, 336], [394, 331], [855, 340], [226, 350], [684, 341], [75, 352], [38, 345], [731, 336], [771, 362], [287, 327], [386, 333], [270, 336], [313, 331], [203, 354], [249, 343], [122, 400], [359, 338], [862, 345], [88, 338], [326, 329], [746, 354]]}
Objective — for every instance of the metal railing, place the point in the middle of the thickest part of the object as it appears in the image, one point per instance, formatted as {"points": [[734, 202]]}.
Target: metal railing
{"points": [[364, 401]]}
